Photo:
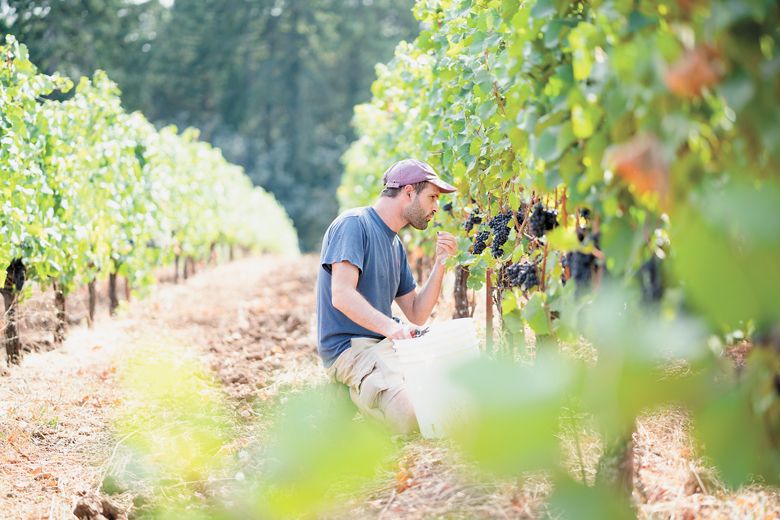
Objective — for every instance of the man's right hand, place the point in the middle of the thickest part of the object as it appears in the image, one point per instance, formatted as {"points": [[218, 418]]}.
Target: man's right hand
{"points": [[399, 331]]}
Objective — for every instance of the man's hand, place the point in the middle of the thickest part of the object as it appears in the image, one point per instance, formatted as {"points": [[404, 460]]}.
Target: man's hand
{"points": [[446, 246], [400, 331]]}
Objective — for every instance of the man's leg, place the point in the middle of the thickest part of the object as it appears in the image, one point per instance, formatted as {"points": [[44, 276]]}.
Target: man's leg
{"points": [[371, 371], [399, 413]]}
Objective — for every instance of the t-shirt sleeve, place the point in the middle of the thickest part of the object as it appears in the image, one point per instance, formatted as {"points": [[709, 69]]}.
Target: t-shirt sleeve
{"points": [[407, 284], [345, 243]]}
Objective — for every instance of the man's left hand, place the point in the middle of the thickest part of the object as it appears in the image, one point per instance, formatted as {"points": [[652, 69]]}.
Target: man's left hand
{"points": [[446, 246]]}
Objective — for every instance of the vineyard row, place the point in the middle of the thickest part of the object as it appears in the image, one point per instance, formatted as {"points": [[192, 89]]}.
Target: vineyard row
{"points": [[89, 190]]}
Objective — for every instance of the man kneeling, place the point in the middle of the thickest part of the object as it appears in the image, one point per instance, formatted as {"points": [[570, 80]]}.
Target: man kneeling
{"points": [[363, 268]]}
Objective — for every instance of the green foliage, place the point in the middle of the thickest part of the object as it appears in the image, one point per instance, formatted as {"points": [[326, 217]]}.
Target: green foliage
{"points": [[89, 189], [737, 230], [515, 413], [317, 455]]}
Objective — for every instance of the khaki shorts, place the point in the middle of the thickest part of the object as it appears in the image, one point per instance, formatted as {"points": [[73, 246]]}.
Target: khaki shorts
{"points": [[371, 370]]}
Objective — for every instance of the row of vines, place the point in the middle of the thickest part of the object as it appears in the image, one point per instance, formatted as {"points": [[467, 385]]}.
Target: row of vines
{"points": [[90, 191], [617, 170]]}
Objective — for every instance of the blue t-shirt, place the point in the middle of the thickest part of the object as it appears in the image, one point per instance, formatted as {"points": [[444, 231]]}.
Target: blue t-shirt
{"points": [[360, 237]]}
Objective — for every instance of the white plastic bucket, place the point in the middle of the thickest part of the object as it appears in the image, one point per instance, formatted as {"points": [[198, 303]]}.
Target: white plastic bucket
{"points": [[426, 362]]}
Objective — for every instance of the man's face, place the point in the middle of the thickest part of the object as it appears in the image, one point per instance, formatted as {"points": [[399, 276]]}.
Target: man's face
{"points": [[423, 207]]}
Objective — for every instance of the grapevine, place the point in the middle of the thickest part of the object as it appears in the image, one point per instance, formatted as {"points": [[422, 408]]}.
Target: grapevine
{"points": [[610, 123], [92, 191]]}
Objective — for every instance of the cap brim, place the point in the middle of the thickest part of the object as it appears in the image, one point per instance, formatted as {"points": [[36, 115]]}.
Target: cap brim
{"points": [[443, 186]]}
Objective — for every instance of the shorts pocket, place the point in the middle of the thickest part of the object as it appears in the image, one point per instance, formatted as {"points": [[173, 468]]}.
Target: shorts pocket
{"points": [[369, 390]]}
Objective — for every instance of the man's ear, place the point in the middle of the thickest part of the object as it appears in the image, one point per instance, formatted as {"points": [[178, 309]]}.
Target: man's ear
{"points": [[409, 191]]}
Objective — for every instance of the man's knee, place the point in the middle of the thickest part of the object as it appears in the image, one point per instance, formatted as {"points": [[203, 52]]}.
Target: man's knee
{"points": [[399, 414]]}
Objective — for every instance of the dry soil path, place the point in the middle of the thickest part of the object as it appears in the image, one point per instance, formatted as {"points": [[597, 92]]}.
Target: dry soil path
{"points": [[249, 320]]}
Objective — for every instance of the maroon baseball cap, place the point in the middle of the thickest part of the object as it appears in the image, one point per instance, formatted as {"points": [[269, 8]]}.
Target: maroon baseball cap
{"points": [[412, 171]]}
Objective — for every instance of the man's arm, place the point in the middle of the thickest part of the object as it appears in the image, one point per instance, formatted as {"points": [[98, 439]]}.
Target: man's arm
{"points": [[418, 306], [346, 298]]}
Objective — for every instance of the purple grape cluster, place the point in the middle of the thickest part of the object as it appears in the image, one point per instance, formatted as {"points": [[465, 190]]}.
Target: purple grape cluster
{"points": [[521, 212], [500, 226], [581, 266], [523, 276], [473, 219], [542, 220], [480, 242]]}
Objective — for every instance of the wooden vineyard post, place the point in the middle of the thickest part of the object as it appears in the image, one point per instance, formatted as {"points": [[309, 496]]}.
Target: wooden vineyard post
{"points": [[11, 336], [489, 310], [564, 212], [544, 268], [92, 302], [213, 254], [14, 282], [127, 289], [113, 302], [460, 294], [61, 318]]}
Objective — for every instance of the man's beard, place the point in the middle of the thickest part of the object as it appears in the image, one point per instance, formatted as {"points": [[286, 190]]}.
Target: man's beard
{"points": [[416, 216]]}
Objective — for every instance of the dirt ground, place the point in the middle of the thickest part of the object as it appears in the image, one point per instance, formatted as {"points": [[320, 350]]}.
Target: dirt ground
{"points": [[251, 322]]}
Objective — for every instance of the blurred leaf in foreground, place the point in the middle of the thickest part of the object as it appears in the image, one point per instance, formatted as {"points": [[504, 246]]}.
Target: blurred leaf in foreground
{"points": [[516, 412], [639, 353], [733, 426], [173, 416], [316, 455], [574, 500], [727, 251]]}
